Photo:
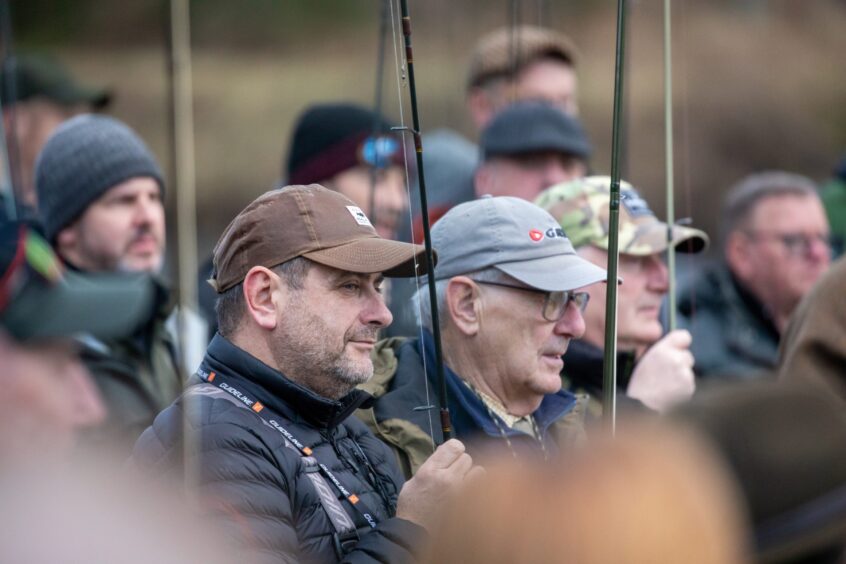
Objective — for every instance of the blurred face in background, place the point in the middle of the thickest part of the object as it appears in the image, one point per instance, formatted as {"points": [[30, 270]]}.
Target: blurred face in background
{"points": [[384, 187], [645, 282], [526, 176], [48, 397], [781, 251], [548, 79]]}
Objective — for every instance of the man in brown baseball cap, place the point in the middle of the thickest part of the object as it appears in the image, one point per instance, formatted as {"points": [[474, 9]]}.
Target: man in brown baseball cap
{"points": [[298, 274]]}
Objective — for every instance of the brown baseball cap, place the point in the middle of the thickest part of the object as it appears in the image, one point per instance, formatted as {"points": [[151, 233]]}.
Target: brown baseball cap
{"points": [[506, 49], [312, 222]]}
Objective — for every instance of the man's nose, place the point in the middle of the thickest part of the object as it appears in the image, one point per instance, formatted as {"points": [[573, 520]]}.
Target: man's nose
{"points": [[390, 197], [658, 275], [572, 323], [376, 312], [146, 209]]}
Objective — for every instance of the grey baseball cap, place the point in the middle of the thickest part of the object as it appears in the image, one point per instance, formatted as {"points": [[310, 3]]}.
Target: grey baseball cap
{"points": [[514, 236], [532, 126]]}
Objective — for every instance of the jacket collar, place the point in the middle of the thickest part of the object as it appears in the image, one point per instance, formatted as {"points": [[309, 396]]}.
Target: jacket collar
{"points": [[275, 390], [583, 366], [755, 307], [746, 326]]}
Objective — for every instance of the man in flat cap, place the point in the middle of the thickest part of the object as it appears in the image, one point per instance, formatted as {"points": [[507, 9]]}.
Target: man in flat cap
{"points": [[528, 147], [511, 294], [654, 369], [277, 456]]}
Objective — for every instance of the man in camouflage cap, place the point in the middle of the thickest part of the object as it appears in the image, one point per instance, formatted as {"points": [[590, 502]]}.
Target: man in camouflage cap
{"points": [[654, 369]]}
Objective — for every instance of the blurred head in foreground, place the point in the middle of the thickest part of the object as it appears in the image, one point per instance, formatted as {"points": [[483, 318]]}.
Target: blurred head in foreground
{"points": [[650, 495], [48, 395]]}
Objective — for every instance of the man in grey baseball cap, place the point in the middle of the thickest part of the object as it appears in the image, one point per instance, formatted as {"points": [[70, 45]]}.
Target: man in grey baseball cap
{"points": [[510, 299]]}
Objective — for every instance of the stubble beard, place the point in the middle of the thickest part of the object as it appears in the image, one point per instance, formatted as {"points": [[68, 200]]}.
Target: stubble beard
{"points": [[99, 260], [302, 352]]}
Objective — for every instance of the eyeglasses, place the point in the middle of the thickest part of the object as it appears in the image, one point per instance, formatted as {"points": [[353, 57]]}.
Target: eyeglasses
{"points": [[379, 152], [555, 303], [797, 244]]}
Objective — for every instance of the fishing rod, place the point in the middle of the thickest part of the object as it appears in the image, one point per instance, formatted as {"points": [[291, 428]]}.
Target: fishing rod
{"points": [[446, 426], [377, 107], [9, 178], [182, 141], [609, 365], [668, 139]]}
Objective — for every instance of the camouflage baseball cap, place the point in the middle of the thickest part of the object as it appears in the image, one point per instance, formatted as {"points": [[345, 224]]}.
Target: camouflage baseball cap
{"points": [[582, 208]]}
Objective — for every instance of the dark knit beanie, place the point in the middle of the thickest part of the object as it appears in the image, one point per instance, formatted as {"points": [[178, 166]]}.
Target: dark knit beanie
{"points": [[86, 156], [326, 141]]}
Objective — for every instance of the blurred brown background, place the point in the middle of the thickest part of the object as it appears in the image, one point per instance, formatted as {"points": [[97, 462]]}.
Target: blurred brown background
{"points": [[757, 84]]}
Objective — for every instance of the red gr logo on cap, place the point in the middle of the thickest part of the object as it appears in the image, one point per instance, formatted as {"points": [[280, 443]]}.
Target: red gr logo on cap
{"points": [[536, 235]]}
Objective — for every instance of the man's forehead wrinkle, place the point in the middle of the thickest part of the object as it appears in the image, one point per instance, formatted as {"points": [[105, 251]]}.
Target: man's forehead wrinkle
{"points": [[335, 275]]}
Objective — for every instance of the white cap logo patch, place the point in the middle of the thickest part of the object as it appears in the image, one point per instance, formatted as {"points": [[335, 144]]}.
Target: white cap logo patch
{"points": [[359, 216]]}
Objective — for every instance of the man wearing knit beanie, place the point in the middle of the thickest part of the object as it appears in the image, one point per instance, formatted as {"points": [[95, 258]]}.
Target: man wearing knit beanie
{"points": [[100, 195], [351, 150]]}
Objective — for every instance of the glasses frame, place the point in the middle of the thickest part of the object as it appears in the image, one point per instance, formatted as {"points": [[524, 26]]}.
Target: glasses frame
{"points": [[579, 299], [796, 244]]}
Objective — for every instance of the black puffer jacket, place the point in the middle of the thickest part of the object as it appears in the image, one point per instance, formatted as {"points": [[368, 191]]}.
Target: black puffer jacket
{"points": [[257, 487]]}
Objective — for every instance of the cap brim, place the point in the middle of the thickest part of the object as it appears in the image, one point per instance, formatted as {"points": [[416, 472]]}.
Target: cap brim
{"points": [[394, 259], [556, 273], [653, 239], [107, 306], [97, 98]]}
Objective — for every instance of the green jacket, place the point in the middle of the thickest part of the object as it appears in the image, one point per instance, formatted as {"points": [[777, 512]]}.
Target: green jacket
{"points": [[137, 378], [399, 385]]}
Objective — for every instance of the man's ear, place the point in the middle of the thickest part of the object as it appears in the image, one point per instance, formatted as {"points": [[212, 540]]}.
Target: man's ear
{"points": [[261, 296], [67, 238], [483, 180], [481, 107], [737, 251], [463, 303]]}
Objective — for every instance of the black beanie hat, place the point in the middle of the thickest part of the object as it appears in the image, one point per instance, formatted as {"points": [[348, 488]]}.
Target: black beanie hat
{"points": [[86, 156], [326, 139]]}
